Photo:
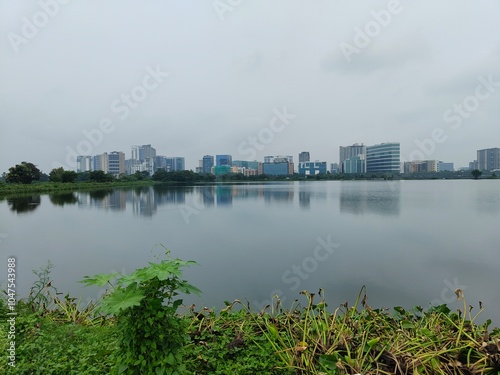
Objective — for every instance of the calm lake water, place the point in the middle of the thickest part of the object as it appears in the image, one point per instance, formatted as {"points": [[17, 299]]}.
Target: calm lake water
{"points": [[409, 242]]}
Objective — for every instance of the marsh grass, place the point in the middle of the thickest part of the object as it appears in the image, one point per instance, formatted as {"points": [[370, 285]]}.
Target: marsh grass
{"points": [[312, 340]]}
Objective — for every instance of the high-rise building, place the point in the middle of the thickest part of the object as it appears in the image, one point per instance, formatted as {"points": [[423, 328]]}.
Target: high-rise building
{"points": [[141, 153], [278, 159], [312, 167], [277, 169], [346, 152], [304, 157], [207, 163], [219, 170], [421, 166], [116, 163], [334, 168], [221, 160], [384, 157], [176, 163], [167, 163], [246, 164], [101, 162], [84, 163], [488, 159], [445, 167], [354, 164]]}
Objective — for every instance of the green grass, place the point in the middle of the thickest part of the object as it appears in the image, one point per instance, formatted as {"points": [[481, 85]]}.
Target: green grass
{"points": [[298, 340], [48, 187], [60, 335]]}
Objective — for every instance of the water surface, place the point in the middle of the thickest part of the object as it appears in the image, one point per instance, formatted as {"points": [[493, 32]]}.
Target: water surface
{"points": [[409, 242]]}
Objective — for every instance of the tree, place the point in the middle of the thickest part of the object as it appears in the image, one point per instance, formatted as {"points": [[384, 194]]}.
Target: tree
{"points": [[476, 173], [60, 175], [23, 173], [100, 176], [141, 175]]}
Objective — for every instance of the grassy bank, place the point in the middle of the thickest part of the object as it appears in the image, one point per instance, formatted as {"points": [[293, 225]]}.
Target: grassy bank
{"points": [[51, 187], [140, 327], [301, 339]]}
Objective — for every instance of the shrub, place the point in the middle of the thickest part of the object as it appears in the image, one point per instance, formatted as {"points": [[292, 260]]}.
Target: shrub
{"points": [[151, 334]]}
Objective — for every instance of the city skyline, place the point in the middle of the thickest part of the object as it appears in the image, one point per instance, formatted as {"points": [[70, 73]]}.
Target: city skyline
{"points": [[195, 78], [346, 152]]}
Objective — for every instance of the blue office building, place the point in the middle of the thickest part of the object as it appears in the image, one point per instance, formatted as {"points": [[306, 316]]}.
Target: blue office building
{"points": [[312, 168], [221, 160], [207, 164], [384, 157], [277, 169]]}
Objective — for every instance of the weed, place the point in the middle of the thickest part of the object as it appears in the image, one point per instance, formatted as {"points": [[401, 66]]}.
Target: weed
{"points": [[145, 304]]}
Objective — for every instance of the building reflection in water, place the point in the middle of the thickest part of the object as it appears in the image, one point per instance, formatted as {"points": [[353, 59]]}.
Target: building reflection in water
{"points": [[143, 201], [108, 199], [376, 197], [224, 195], [278, 195], [308, 193]]}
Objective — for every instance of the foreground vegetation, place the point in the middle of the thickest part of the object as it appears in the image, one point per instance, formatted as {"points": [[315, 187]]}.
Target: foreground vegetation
{"points": [[129, 331]]}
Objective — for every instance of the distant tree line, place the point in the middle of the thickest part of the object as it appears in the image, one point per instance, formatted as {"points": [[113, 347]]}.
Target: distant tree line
{"points": [[26, 173]]}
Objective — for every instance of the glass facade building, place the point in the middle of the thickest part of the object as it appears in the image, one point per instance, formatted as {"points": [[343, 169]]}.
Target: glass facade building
{"points": [[384, 157], [221, 160], [355, 164], [207, 164], [488, 159], [277, 169]]}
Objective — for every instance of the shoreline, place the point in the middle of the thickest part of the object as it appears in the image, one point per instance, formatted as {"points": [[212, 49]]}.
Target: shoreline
{"points": [[54, 187]]}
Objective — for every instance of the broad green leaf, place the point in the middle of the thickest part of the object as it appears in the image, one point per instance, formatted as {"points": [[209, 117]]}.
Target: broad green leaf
{"points": [[99, 280], [122, 299]]}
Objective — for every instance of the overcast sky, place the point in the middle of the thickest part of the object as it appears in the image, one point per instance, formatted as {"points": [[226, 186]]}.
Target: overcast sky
{"points": [[201, 77]]}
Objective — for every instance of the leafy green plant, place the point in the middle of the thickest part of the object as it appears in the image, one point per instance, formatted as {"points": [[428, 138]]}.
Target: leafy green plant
{"points": [[40, 298], [145, 303]]}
